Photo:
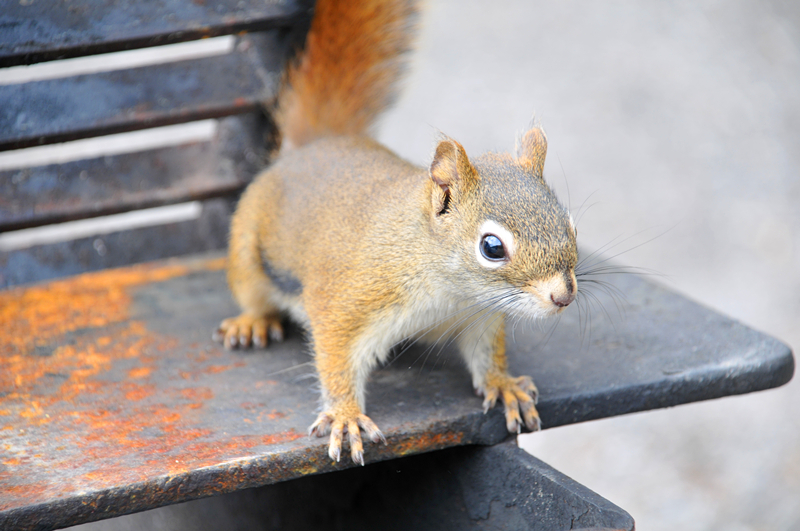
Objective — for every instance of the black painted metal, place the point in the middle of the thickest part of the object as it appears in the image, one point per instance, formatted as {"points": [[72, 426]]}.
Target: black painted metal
{"points": [[236, 419], [57, 260], [34, 31], [470, 488], [59, 110], [31, 197], [670, 350]]}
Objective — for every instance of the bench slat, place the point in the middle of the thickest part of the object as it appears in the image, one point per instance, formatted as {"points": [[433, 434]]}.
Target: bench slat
{"points": [[115, 400], [32, 32], [62, 259], [60, 110], [55, 193]]}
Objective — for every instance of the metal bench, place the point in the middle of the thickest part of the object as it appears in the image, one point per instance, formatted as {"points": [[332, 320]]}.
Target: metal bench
{"points": [[114, 400]]}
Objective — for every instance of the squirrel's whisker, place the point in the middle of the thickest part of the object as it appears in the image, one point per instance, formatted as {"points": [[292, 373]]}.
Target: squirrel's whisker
{"points": [[451, 329], [579, 214], [420, 333]]}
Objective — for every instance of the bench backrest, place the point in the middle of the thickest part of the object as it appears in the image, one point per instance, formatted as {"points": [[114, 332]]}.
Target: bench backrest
{"points": [[217, 89]]}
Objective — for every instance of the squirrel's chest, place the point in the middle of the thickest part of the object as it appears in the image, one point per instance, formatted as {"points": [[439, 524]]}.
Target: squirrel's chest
{"points": [[423, 318]]}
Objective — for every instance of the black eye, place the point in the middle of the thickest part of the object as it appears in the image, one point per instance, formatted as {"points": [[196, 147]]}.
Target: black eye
{"points": [[492, 248]]}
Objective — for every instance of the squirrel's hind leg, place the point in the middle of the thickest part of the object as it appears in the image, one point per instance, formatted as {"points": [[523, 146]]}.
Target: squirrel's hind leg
{"points": [[246, 329], [260, 320]]}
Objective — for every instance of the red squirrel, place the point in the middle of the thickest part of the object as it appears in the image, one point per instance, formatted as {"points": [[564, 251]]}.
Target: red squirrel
{"points": [[365, 249]]}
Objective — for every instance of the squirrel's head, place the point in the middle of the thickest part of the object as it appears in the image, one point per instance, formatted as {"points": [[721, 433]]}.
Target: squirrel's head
{"points": [[503, 229]]}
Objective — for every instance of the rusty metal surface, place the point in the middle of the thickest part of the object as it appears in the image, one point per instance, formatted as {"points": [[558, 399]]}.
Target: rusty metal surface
{"points": [[472, 488], [31, 32], [113, 399], [59, 110], [56, 193], [56, 260]]}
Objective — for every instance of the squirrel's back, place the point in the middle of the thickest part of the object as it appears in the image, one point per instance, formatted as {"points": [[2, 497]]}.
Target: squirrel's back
{"points": [[347, 73]]}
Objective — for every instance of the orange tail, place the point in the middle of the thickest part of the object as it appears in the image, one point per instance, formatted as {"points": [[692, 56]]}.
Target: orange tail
{"points": [[347, 73]]}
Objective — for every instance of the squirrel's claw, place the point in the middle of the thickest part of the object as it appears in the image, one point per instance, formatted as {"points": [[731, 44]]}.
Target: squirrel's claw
{"points": [[491, 398], [245, 330], [356, 446], [526, 384], [259, 333], [321, 426], [335, 446], [519, 396], [371, 429], [531, 416], [329, 422], [275, 332]]}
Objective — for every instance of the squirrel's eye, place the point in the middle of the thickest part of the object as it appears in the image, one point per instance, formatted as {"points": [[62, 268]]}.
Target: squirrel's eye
{"points": [[492, 248]]}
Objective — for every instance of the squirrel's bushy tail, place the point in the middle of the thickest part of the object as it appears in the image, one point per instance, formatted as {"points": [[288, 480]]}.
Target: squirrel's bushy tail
{"points": [[347, 73]]}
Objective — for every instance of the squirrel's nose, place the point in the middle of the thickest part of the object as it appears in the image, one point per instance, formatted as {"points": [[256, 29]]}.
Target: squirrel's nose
{"points": [[562, 300]]}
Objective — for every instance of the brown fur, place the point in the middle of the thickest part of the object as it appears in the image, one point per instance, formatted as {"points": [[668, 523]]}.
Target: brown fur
{"points": [[365, 249], [532, 151], [348, 71]]}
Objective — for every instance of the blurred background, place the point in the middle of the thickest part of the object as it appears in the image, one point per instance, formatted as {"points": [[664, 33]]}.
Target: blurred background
{"points": [[679, 123]]}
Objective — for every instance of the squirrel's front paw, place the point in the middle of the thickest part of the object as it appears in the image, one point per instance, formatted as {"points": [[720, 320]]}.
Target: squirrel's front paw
{"points": [[518, 395], [244, 330], [337, 423]]}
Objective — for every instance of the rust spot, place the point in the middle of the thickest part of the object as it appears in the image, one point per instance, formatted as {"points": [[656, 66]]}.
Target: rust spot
{"points": [[103, 341], [427, 441], [79, 417], [140, 372], [211, 369], [290, 435], [214, 369], [138, 392], [37, 315], [197, 393], [307, 469]]}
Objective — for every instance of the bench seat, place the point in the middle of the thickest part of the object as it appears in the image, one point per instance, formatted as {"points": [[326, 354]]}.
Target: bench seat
{"points": [[114, 399]]}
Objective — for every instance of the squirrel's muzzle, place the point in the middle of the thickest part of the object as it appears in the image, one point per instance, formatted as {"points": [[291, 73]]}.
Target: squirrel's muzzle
{"points": [[563, 300], [555, 293]]}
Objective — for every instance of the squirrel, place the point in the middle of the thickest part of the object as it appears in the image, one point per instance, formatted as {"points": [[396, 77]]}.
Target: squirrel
{"points": [[366, 250]]}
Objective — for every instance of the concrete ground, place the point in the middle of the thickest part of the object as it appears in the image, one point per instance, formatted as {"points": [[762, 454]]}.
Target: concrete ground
{"points": [[681, 120]]}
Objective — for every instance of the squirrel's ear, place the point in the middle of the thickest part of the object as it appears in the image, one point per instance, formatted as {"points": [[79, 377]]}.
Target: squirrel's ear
{"points": [[450, 166], [532, 150], [451, 171]]}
